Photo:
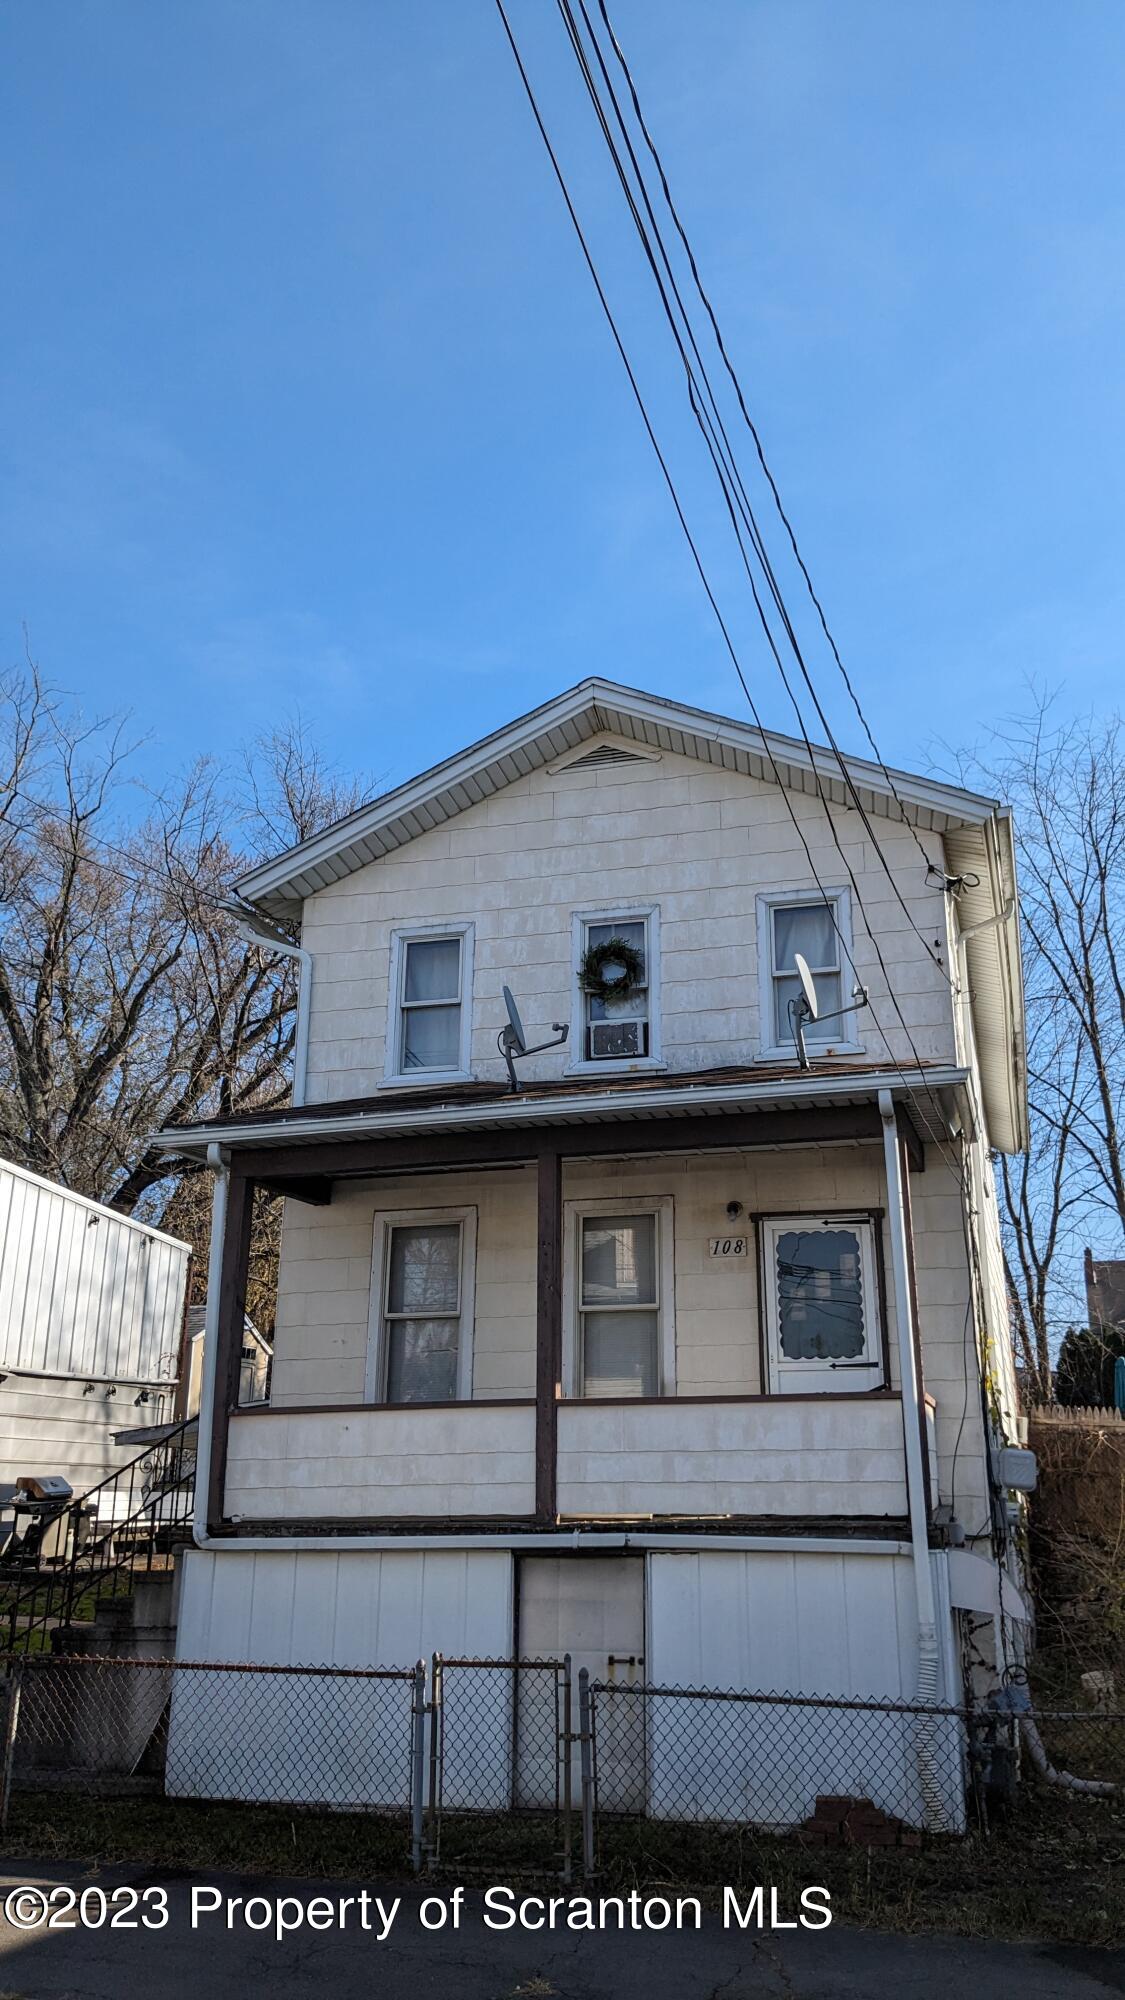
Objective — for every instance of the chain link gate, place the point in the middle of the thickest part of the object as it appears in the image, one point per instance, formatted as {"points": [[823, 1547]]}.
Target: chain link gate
{"points": [[501, 1740]]}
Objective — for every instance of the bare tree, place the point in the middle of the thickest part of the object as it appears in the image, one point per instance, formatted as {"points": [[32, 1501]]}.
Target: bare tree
{"points": [[1066, 782], [127, 999]]}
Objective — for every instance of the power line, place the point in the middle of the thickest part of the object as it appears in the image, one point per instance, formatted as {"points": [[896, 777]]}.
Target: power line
{"points": [[722, 452], [749, 421], [719, 463], [728, 641], [149, 868]]}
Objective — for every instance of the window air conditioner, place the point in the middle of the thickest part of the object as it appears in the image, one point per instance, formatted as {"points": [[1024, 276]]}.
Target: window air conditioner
{"points": [[618, 1038]]}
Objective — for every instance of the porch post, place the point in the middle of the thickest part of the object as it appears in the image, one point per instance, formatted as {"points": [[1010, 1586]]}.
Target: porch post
{"points": [[224, 1327], [548, 1346]]}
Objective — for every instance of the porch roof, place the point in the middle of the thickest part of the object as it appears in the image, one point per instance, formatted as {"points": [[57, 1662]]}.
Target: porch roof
{"points": [[479, 1107]]}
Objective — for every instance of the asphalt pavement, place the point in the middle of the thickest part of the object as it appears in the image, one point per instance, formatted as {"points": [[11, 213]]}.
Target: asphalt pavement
{"points": [[181, 1936]]}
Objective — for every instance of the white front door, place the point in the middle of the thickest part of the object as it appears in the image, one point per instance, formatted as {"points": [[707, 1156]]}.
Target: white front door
{"points": [[592, 1607], [821, 1292]]}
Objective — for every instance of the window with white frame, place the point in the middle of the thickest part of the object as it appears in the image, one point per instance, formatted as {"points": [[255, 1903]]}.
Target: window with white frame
{"points": [[422, 1307], [819, 929], [431, 1004], [821, 1292], [619, 1028], [620, 1339]]}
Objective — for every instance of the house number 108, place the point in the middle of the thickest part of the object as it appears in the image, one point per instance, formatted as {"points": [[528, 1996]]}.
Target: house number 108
{"points": [[728, 1246]]}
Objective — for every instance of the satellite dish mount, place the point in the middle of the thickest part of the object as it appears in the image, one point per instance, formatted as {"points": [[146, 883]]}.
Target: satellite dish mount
{"points": [[803, 1007], [512, 1042]]}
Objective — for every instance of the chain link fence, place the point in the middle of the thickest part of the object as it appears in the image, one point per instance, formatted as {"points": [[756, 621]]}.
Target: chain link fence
{"points": [[488, 1761], [334, 1739], [501, 1741], [765, 1760]]}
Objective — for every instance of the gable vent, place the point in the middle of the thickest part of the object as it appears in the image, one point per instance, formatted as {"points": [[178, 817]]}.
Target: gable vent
{"points": [[606, 753]]}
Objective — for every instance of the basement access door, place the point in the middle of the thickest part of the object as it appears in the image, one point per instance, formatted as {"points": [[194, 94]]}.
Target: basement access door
{"points": [[592, 1607]]}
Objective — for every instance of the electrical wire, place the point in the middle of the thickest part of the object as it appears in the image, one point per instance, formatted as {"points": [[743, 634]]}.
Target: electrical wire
{"points": [[721, 449], [749, 421], [932, 1131]]}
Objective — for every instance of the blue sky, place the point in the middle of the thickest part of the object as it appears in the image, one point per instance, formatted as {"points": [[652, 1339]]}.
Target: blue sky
{"points": [[307, 401]]}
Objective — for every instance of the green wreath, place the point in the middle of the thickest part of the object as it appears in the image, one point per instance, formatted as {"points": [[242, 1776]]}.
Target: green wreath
{"points": [[615, 951]]}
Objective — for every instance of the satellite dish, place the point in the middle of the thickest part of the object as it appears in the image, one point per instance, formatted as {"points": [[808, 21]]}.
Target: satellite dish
{"points": [[808, 990], [803, 1007], [512, 1042], [513, 1034]]}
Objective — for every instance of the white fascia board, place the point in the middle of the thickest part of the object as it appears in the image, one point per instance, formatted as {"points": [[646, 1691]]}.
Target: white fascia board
{"points": [[589, 709], [629, 1107]]}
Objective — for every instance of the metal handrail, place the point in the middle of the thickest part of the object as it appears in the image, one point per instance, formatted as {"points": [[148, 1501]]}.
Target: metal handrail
{"points": [[51, 1595]]}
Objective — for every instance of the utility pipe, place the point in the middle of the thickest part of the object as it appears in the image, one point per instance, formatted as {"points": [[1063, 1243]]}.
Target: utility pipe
{"points": [[218, 1162], [500, 1543], [929, 1658], [254, 929]]}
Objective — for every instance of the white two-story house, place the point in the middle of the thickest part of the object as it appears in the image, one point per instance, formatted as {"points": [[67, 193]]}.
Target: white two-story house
{"points": [[683, 1356]]}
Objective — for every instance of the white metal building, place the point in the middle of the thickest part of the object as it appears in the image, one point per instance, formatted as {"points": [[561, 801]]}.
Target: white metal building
{"points": [[91, 1324]]}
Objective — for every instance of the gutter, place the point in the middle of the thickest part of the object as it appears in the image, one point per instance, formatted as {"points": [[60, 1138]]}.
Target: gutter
{"points": [[255, 929]]}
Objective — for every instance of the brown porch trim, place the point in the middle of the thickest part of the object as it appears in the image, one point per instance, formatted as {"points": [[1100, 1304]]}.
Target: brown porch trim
{"points": [[230, 1317], [302, 1166], [356, 1409]]}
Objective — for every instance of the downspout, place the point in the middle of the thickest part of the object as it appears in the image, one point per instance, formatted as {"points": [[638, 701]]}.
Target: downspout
{"points": [[218, 1163], [254, 929], [928, 1692]]}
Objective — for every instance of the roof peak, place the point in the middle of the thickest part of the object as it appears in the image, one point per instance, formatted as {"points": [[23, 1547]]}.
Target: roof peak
{"points": [[592, 707]]}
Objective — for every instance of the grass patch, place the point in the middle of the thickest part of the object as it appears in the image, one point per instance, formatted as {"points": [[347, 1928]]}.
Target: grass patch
{"points": [[1054, 1871], [199, 1833]]}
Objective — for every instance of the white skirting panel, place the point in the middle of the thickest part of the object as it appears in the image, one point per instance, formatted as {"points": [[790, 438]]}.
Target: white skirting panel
{"points": [[344, 1743], [810, 1624], [352, 1608]]}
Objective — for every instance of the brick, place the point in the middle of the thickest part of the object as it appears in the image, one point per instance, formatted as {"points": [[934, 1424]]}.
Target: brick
{"points": [[871, 1836]]}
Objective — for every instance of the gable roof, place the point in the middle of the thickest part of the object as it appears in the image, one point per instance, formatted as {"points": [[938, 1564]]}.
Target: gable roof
{"points": [[593, 708], [977, 832]]}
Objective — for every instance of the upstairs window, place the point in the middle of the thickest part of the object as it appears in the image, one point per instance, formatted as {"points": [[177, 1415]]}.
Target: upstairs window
{"points": [[820, 931], [617, 1027], [822, 1304], [430, 999], [422, 1298]]}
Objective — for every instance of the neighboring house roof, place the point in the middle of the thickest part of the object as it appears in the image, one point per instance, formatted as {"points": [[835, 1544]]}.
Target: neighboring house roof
{"points": [[976, 830], [1105, 1291], [197, 1320]]}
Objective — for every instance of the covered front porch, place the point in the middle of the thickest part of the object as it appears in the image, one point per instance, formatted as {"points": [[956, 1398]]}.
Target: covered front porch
{"points": [[720, 1430]]}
